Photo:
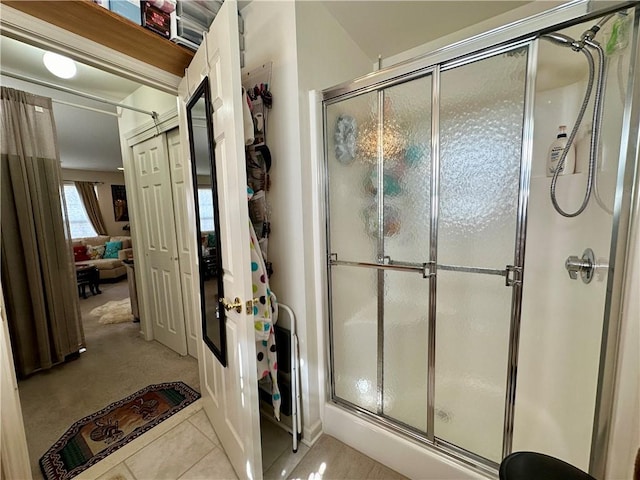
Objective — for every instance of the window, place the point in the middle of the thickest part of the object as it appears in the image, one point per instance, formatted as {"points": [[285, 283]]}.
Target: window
{"points": [[78, 220], [205, 206]]}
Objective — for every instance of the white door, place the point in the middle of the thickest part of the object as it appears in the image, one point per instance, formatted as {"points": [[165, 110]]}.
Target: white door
{"points": [[164, 301], [187, 256], [230, 394]]}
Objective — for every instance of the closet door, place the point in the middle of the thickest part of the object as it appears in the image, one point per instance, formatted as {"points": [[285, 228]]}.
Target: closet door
{"points": [[180, 181], [229, 394], [164, 305]]}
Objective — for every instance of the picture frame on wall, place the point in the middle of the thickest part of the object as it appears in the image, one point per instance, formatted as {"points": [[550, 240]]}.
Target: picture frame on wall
{"points": [[120, 207]]}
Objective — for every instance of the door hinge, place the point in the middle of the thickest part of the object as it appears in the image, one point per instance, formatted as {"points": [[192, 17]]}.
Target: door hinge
{"points": [[250, 304]]}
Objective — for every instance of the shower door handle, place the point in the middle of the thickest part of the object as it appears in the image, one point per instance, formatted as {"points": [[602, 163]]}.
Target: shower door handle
{"points": [[585, 266], [387, 264]]}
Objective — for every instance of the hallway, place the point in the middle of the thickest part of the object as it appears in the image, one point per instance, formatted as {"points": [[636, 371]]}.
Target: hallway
{"points": [[117, 362]]}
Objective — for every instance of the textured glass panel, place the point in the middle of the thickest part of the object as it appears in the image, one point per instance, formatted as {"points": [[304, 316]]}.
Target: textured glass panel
{"points": [[351, 131], [472, 340], [407, 170], [481, 116], [406, 315], [355, 334]]}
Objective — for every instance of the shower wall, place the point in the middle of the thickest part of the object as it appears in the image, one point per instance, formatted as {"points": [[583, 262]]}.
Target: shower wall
{"points": [[562, 319]]}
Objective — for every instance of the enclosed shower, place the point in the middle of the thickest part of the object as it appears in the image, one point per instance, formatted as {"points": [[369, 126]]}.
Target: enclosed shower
{"points": [[460, 315]]}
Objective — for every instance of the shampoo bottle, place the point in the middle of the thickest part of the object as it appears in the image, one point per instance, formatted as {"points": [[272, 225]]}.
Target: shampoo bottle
{"points": [[555, 153]]}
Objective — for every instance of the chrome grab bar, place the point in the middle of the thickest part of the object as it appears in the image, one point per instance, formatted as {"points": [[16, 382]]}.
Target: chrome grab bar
{"points": [[423, 268], [426, 268]]}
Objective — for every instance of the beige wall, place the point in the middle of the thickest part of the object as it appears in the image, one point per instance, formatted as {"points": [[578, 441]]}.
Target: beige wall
{"points": [[146, 98], [103, 189]]}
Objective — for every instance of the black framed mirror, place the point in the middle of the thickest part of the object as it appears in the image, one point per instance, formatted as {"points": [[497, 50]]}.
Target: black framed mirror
{"points": [[203, 167]]}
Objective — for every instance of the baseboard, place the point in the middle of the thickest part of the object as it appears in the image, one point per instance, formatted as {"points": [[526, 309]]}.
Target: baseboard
{"points": [[311, 434]]}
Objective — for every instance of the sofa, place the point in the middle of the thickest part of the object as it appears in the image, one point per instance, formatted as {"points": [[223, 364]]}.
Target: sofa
{"points": [[92, 251]]}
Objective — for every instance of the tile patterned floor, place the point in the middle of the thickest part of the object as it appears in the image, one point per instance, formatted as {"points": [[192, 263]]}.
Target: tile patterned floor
{"points": [[332, 459], [185, 447], [188, 450]]}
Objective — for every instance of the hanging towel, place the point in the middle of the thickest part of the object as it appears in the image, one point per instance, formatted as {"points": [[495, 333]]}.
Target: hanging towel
{"points": [[247, 120], [265, 315]]}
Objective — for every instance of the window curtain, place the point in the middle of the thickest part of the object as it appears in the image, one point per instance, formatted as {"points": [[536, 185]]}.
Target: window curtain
{"points": [[87, 193], [38, 276]]}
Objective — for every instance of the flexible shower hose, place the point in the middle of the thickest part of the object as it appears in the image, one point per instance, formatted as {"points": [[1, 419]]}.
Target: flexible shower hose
{"points": [[595, 136]]}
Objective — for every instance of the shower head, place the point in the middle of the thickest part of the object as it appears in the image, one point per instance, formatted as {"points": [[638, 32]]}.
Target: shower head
{"points": [[560, 39]]}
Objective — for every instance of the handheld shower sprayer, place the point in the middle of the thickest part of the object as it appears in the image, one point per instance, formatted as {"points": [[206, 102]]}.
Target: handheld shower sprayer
{"points": [[586, 40], [561, 39]]}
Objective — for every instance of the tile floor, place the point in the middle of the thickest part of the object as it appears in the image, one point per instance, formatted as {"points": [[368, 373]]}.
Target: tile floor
{"points": [[185, 447], [332, 459], [278, 459]]}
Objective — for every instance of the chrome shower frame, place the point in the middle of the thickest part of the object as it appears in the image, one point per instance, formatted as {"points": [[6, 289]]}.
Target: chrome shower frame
{"points": [[521, 33]]}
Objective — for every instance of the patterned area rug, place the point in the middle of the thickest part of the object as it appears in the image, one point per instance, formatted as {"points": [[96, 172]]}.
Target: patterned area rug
{"points": [[94, 437]]}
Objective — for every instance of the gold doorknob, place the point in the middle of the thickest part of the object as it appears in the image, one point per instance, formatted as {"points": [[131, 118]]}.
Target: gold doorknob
{"points": [[228, 306]]}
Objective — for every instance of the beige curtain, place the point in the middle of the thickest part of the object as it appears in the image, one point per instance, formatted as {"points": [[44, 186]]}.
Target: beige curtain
{"points": [[38, 277], [87, 193]]}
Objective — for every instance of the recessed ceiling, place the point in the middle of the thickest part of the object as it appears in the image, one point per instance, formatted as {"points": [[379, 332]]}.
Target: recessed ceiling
{"points": [[390, 27]]}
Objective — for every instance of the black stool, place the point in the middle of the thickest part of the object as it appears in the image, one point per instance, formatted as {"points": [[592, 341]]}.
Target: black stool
{"points": [[537, 466]]}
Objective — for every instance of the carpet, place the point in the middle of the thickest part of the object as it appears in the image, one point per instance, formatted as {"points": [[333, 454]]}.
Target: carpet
{"points": [[92, 438], [115, 311]]}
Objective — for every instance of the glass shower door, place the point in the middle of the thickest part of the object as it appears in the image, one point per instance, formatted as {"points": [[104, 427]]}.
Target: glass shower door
{"points": [[422, 234], [353, 238], [379, 169], [405, 297], [481, 125]]}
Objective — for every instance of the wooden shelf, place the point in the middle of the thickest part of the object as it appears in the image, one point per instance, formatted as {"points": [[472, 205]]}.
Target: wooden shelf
{"points": [[96, 23]]}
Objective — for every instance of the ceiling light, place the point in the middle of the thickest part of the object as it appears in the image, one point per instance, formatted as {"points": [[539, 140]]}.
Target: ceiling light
{"points": [[121, 169], [59, 65]]}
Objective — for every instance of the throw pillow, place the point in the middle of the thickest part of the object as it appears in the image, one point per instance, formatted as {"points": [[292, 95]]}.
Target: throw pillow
{"points": [[96, 252], [80, 253], [111, 249]]}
